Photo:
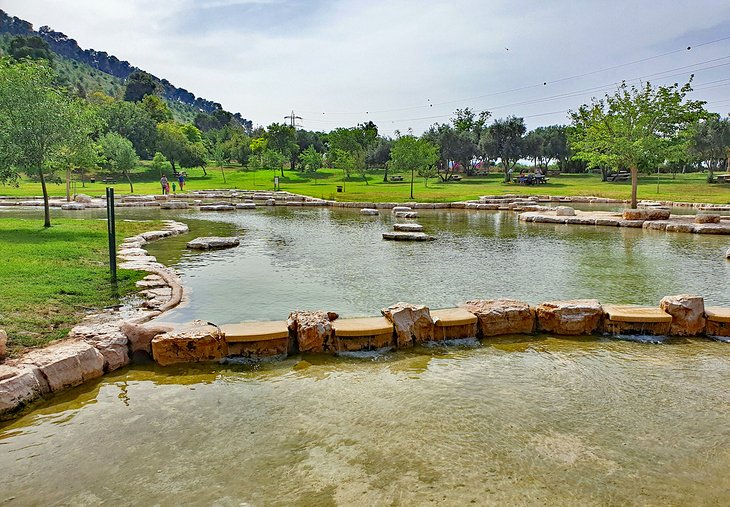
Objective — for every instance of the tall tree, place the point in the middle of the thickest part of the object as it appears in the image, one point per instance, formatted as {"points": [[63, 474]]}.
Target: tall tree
{"points": [[120, 154], [131, 120], [139, 84], [416, 155], [38, 123], [282, 138], [634, 127], [505, 141], [710, 142]]}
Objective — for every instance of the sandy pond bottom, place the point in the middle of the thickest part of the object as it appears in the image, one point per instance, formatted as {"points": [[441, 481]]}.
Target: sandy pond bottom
{"points": [[531, 420]]}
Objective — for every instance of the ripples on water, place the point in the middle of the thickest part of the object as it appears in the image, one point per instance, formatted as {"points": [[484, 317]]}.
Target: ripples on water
{"points": [[528, 420]]}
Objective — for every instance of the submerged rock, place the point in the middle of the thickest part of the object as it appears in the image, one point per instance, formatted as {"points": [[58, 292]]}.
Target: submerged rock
{"points": [[217, 207], [413, 323], [212, 243], [369, 211]]}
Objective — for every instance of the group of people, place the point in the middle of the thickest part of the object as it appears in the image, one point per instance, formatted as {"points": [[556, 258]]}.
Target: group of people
{"points": [[165, 183], [526, 178]]}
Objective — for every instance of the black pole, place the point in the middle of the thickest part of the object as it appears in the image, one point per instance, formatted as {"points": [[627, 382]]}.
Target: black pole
{"points": [[412, 182], [111, 229]]}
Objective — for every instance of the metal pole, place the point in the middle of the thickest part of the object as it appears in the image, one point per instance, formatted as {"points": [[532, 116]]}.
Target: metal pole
{"points": [[412, 182], [111, 229]]}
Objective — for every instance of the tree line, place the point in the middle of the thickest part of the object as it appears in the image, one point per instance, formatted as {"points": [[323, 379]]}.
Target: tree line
{"points": [[45, 128]]}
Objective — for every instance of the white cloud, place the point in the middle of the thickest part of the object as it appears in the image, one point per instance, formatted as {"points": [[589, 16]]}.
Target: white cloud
{"points": [[338, 56]]}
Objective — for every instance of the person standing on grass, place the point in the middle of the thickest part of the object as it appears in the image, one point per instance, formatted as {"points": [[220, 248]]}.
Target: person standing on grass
{"points": [[165, 185], [181, 181]]}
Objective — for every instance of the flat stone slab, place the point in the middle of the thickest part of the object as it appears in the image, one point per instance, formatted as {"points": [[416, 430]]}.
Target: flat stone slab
{"points": [[407, 236], [255, 331], [453, 317], [217, 207], [369, 211], [212, 243], [396, 209], [717, 313], [365, 326], [245, 205], [630, 313], [408, 227], [406, 214]]}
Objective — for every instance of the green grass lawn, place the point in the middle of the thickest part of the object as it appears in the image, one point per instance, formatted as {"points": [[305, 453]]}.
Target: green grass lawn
{"points": [[682, 187], [50, 277]]}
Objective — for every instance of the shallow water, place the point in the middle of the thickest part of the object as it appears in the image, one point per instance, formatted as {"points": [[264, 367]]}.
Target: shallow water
{"points": [[539, 421], [335, 259]]}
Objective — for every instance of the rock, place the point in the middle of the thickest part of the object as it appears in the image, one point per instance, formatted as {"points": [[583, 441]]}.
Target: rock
{"points": [[396, 209], [408, 227], [688, 314], [174, 205], [66, 364], [271, 202], [313, 330], [83, 198], [212, 243], [646, 214], [217, 207], [18, 386], [245, 205], [564, 211], [707, 218], [502, 316], [406, 214], [413, 323], [3, 343], [196, 342], [727, 254], [139, 336], [73, 206], [369, 211], [108, 339], [407, 236], [574, 317]]}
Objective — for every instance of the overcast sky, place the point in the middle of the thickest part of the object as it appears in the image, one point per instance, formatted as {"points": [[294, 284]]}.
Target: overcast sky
{"points": [[403, 64]]}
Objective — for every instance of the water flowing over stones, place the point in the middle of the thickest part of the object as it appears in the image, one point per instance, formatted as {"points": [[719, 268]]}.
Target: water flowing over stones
{"points": [[196, 342], [413, 323], [502, 316], [573, 317], [212, 243], [313, 330], [688, 314]]}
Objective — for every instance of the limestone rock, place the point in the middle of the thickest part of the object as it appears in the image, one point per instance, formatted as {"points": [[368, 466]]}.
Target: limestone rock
{"points": [[18, 386], [574, 317], [688, 314], [83, 198], [66, 364], [413, 323], [73, 206], [646, 214], [407, 236], [707, 218], [564, 211], [312, 329], [217, 207], [408, 227], [502, 316], [245, 205], [139, 336], [193, 343], [397, 209], [406, 214], [212, 243], [108, 339], [369, 211], [3, 343], [174, 205]]}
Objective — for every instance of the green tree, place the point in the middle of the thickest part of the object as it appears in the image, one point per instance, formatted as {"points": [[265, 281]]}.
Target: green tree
{"points": [[156, 108], [159, 163], [505, 141], [120, 154], [139, 84], [456, 149], [282, 138], [38, 123], [171, 141], [416, 155], [710, 142], [311, 159], [32, 47], [131, 120], [634, 127]]}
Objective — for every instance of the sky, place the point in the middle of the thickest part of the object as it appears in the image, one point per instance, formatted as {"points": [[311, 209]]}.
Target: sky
{"points": [[404, 64]]}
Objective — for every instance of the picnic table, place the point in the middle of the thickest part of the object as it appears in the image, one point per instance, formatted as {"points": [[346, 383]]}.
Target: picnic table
{"points": [[532, 179], [619, 176], [396, 178], [723, 178]]}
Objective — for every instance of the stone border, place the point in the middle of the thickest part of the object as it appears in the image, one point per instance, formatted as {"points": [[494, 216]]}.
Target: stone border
{"points": [[98, 345]]}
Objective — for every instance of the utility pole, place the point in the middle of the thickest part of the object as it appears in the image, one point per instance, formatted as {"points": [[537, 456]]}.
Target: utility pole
{"points": [[292, 118]]}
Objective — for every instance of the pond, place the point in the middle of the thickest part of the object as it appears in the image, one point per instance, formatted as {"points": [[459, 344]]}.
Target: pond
{"points": [[509, 421], [537, 421]]}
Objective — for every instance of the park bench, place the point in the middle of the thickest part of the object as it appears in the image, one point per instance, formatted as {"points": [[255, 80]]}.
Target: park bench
{"points": [[454, 177], [723, 178], [396, 178], [619, 176]]}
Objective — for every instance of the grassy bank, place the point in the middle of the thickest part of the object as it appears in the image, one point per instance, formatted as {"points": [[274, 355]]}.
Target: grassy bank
{"points": [[51, 277], [682, 187]]}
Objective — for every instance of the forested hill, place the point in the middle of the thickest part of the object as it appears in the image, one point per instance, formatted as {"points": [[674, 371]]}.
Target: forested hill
{"points": [[67, 48]]}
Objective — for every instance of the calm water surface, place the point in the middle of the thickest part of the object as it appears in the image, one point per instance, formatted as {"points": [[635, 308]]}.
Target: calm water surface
{"points": [[538, 421]]}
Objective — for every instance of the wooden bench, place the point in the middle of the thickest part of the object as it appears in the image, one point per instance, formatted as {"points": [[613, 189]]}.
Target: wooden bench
{"points": [[619, 176], [396, 178], [723, 178]]}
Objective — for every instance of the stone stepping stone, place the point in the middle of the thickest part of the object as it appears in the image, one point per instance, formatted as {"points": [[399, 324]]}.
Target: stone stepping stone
{"points": [[245, 205], [408, 227], [406, 214], [174, 205], [369, 211], [396, 209], [212, 243], [217, 207], [407, 236]]}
